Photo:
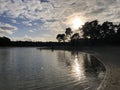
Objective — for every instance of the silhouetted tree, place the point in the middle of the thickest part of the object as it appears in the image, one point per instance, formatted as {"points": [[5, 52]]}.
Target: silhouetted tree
{"points": [[68, 32], [94, 29], [94, 34], [4, 41], [107, 29], [75, 36], [61, 37], [91, 30], [86, 30], [118, 31]]}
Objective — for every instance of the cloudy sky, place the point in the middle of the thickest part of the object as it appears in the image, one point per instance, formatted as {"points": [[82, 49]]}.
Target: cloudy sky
{"points": [[43, 19]]}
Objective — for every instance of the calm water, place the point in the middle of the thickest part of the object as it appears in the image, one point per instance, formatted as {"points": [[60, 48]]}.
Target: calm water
{"points": [[34, 69]]}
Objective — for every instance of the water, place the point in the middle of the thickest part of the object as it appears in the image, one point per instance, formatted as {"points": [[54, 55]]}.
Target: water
{"points": [[34, 69]]}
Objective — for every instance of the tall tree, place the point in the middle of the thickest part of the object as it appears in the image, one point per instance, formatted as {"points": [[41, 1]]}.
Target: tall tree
{"points": [[68, 32], [86, 30], [108, 29], [61, 37], [90, 30], [75, 36]]}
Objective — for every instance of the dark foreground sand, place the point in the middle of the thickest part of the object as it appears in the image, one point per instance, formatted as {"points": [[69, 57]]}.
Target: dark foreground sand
{"points": [[110, 56]]}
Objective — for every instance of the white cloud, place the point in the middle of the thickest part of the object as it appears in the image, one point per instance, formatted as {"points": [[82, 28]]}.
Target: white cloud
{"points": [[27, 38], [60, 9], [18, 8], [7, 28], [31, 31], [55, 14], [27, 23]]}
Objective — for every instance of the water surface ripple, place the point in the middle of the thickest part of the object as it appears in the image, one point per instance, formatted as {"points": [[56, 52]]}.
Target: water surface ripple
{"points": [[32, 69]]}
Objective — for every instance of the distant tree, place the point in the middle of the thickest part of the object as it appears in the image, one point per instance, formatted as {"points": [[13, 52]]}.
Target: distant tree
{"points": [[107, 33], [118, 31], [68, 32], [61, 37], [4, 41], [86, 30], [107, 29], [90, 30], [93, 30], [75, 36]]}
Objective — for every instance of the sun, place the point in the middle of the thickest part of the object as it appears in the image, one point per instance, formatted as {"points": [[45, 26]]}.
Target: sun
{"points": [[77, 23]]}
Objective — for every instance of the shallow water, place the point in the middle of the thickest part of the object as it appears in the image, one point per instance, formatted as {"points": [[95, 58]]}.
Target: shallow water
{"points": [[34, 69]]}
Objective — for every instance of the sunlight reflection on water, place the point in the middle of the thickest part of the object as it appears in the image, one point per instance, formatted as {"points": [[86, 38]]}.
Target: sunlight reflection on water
{"points": [[77, 68]]}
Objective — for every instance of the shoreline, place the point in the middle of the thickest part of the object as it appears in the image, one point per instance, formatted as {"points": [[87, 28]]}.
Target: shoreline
{"points": [[110, 57]]}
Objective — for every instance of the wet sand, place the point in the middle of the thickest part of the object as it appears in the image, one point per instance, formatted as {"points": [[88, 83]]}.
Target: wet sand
{"points": [[110, 56]]}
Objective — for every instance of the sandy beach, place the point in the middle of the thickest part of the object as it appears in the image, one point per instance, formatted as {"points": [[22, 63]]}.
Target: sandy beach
{"points": [[110, 56]]}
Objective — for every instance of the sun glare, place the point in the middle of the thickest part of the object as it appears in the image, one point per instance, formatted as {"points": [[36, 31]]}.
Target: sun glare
{"points": [[77, 23]]}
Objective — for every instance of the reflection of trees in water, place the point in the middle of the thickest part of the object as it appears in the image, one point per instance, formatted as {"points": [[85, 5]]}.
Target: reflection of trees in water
{"points": [[73, 61], [90, 63], [93, 66], [67, 57], [64, 58], [81, 64], [74, 53]]}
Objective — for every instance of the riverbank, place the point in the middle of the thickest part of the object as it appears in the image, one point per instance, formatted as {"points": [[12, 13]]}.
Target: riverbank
{"points": [[110, 56]]}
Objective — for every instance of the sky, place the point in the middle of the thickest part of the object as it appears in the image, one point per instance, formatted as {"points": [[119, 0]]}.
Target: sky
{"points": [[42, 20]]}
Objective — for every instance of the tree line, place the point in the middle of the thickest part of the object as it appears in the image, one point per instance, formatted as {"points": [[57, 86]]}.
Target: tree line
{"points": [[6, 42], [93, 31]]}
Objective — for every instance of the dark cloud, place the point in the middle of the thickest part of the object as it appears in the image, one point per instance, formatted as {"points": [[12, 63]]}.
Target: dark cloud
{"points": [[23, 0], [6, 28], [110, 1], [52, 20], [98, 11], [105, 2], [100, 3], [44, 1]]}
